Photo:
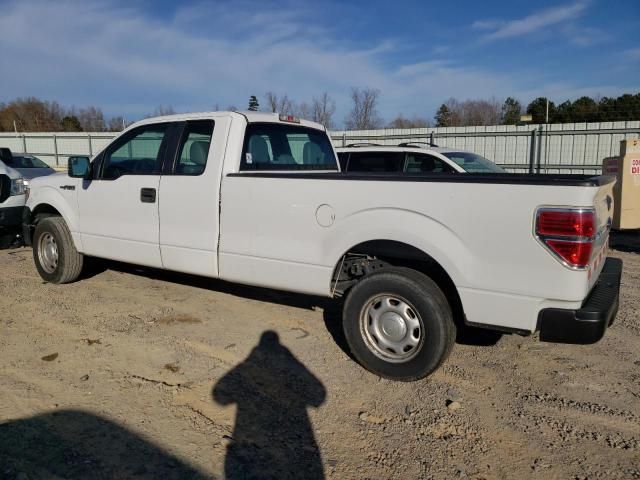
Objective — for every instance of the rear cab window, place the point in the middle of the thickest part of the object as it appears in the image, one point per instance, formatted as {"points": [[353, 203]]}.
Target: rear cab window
{"points": [[272, 146]]}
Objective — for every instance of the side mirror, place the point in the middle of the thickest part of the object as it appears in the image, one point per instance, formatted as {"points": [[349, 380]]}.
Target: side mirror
{"points": [[78, 166]]}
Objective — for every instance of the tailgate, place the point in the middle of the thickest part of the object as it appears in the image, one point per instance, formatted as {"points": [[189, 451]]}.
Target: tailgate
{"points": [[603, 204]]}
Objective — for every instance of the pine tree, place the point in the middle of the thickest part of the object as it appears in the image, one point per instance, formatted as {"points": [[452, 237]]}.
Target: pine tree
{"points": [[443, 116], [538, 110], [253, 103], [511, 110]]}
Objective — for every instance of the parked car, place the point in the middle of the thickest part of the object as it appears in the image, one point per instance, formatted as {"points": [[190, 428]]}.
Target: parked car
{"points": [[12, 199], [259, 199], [413, 159], [29, 166]]}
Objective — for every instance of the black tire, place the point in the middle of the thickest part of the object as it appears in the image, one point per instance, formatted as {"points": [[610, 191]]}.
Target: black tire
{"points": [[420, 298], [69, 262]]}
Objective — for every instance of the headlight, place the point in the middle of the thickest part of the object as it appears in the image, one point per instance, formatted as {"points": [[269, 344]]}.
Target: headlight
{"points": [[17, 186]]}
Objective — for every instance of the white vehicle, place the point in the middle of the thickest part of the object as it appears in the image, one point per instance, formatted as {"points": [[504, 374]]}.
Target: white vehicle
{"points": [[259, 199], [413, 158], [12, 200]]}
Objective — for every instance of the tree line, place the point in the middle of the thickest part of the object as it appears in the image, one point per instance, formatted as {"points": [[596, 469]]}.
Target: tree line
{"points": [[454, 113], [32, 114]]}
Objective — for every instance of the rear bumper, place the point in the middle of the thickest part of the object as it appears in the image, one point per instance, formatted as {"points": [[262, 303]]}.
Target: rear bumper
{"points": [[11, 216], [587, 324]]}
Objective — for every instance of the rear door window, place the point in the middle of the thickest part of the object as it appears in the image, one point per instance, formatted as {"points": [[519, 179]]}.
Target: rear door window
{"points": [[194, 147]]}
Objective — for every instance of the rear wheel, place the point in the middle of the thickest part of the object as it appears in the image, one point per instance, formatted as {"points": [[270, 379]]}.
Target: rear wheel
{"points": [[54, 253], [398, 324]]}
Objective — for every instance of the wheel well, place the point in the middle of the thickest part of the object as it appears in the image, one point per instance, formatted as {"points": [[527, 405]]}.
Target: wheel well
{"points": [[375, 254], [44, 210], [41, 211]]}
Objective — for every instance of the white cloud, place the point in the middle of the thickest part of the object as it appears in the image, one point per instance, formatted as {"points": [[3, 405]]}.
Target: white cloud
{"points": [[531, 23], [128, 62]]}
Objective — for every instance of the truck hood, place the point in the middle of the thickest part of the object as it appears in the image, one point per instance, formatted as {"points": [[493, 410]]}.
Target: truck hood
{"points": [[30, 173]]}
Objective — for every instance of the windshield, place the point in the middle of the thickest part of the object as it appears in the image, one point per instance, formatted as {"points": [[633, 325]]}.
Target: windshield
{"points": [[473, 163], [28, 162]]}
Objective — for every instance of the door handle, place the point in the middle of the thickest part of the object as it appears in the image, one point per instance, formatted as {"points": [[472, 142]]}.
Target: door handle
{"points": [[148, 195]]}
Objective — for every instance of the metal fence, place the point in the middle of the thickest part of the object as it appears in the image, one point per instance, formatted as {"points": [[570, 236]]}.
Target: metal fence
{"points": [[556, 148], [55, 148]]}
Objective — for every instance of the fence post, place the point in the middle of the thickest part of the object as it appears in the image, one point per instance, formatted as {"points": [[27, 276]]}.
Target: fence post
{"points": [[55, 149], [24, 143], [344, 139], [431, 143], [532, 151], [539, 148], [90, 146]]}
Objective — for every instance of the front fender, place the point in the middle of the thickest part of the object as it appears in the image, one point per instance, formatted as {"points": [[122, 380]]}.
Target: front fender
{"points": [[48, 197], [406, 226]]}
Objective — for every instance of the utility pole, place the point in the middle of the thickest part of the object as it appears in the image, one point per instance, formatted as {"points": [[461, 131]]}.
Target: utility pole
{"points": [[547, 114]]}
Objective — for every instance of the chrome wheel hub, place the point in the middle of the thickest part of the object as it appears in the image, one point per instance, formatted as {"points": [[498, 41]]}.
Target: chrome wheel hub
{"points": [[48, 252], [391, 328]]}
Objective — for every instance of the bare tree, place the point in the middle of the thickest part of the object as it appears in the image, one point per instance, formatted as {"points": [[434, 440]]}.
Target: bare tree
{"points": [[117, 124], [161, 111], [323, 109], [31, 115], [281, 104], [414, 122], [364, 113], [454, 113], [91, 119], [303, 110]]}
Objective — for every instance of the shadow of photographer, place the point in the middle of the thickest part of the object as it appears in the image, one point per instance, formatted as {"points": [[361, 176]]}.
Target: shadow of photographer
{"points": [[273, 437]]}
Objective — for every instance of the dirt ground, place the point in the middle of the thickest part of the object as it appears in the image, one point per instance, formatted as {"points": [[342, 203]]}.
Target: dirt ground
{"points": [[132, 373]]}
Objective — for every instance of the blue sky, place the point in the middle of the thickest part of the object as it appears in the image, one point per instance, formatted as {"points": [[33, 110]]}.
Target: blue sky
{"points": [[130, 57]]}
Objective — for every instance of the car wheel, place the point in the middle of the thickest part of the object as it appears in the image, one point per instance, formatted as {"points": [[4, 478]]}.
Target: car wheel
{"points": [[398, 324], [54, 253]]}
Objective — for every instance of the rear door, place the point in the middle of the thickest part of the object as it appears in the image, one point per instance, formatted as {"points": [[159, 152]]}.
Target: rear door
{"points": [[189, 197], [118, 208]]}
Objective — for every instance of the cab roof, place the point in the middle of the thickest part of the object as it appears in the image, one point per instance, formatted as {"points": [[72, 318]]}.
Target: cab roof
{"points": [[250, 116]]}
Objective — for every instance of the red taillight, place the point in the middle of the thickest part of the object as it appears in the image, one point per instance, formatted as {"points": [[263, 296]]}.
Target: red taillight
{"points": [[577, 254], [569, 234], [566, 223]]}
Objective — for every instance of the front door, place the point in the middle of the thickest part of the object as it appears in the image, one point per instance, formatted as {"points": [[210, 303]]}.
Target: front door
{"points": [[119, 206]]}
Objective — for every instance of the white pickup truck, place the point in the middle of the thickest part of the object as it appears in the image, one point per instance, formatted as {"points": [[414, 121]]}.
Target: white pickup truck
{"points": [[258, 198]]}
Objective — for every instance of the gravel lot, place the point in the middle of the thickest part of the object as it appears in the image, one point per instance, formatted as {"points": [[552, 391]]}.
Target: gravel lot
{"points": [[133, 373]]}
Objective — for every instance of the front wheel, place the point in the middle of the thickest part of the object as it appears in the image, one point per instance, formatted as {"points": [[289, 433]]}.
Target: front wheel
{"points": [[54, 253], [398, 324]]}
